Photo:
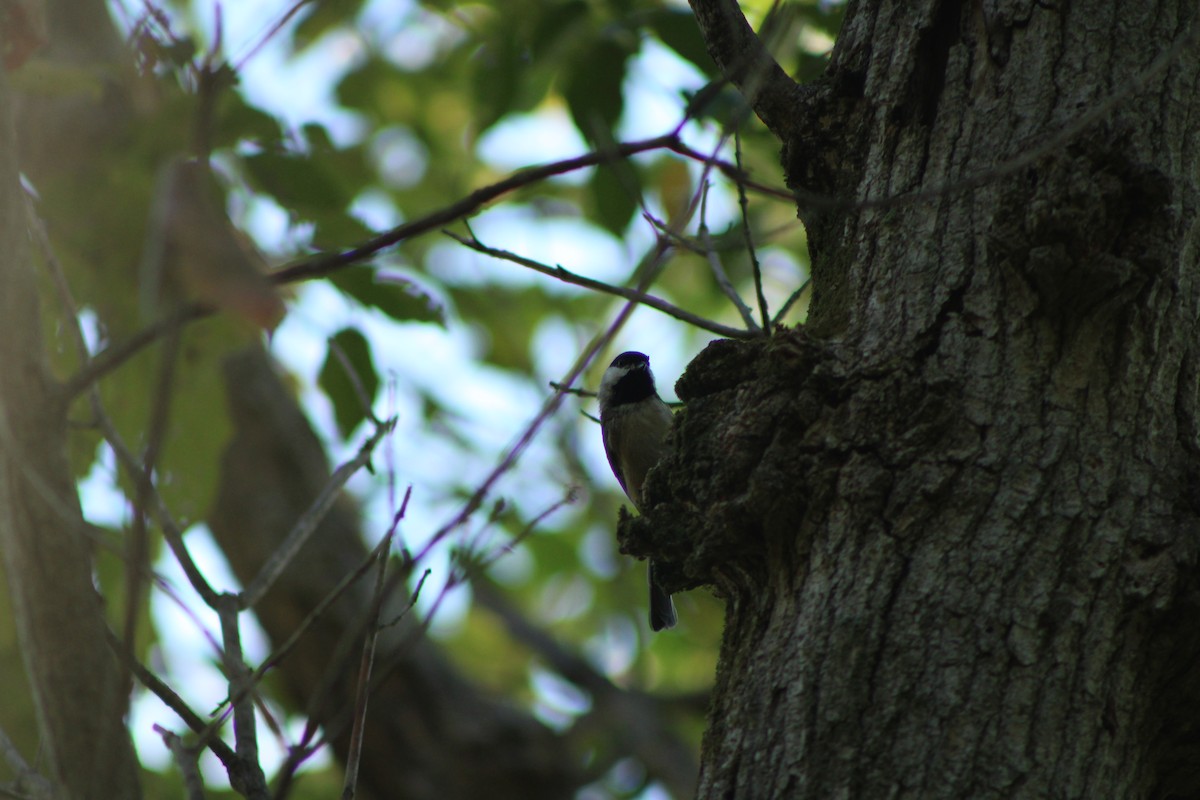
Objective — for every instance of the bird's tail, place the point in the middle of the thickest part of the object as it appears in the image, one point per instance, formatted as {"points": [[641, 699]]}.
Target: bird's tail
{"points": [[662, 608]]}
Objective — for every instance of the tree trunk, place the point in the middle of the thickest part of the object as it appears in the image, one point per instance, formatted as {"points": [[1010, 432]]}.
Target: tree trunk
{"points": [[77, 688], [956, 517]]}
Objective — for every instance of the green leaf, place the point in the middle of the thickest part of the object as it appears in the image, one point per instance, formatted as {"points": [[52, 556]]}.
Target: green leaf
{"points": [[321, 18], [677, 30], [593, 85], [179, 52], [556, 26], [399, 297], [499, 68], [726, 107], [349, 381], [615, 193], [315, 188], [198, 421], [299, 183], [237, 121], [378, 90]]}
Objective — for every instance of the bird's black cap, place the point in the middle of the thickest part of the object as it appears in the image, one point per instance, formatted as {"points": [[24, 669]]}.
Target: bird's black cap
{"points": [[637, 383]]}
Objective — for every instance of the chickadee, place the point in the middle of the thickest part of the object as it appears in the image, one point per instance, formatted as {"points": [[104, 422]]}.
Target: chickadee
{"points": [[634, 422]]}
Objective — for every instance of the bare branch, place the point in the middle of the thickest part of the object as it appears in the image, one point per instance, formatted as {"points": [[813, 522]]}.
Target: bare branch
{"points": [[558, 387], [744, 204], [252, 783], [158, 507], [346, 582], [29, 783], [632, 295], [568, 499], [718, 269], [648, 270], [176, 703], [363, 692], [325, 264], [307, 523], [744, 60], [472, 567], [138, 564], [148, 496], [118, 353], [273, 31], [731, 171], [185, 758], [787, 306]]}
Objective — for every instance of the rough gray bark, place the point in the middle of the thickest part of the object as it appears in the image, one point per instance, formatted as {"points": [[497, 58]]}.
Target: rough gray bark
{"points": [[957, 518], [78, 690]]}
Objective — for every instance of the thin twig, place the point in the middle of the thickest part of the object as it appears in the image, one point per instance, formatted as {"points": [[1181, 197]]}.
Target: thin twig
{"points": [[186, 760], [171, 531], [754, 265], [139, 540], [632, 295], [158, 507], [356, 384], [471, 555], [578, 392], [331, 728], [336, 662], [118, 353], [647, 271], [28, 781], [173, 701], [287, 550], [324, 264], [787, 306], [718, 270], [280, 652], [569, 498], [253, 784], [354, 753], [413, 596], [731, 171], [271, 33], [319, 726]]}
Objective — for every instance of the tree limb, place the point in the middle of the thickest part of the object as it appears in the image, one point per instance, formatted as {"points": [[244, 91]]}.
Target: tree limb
{"points": [[745, 62], [59, 619]]}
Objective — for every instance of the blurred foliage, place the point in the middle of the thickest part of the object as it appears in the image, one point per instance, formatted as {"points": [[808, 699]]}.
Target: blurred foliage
{"points": [[349, 379], [423, 84]]}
